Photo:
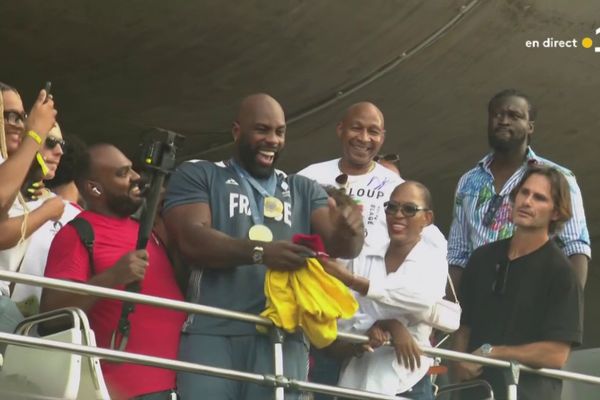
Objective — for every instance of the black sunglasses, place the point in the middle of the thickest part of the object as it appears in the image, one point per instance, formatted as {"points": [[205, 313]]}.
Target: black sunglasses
{"points": [[342, 181], [408, 210], [52, 141], [387, 157], [490, 214], [499, 285], [14, 117]]}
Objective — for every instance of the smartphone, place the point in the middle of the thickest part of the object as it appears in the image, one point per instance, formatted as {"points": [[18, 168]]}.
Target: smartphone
{"points": [[47, 88]]}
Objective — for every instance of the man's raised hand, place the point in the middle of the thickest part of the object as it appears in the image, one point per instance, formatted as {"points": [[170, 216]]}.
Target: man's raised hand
{"points": [[346, 218]]}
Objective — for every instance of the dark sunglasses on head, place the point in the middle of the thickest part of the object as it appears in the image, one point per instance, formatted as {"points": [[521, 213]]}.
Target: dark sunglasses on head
{"points": [[490, 214], [14, 117], [387, 157], [408, 209], [52, 141], [341, 179]]}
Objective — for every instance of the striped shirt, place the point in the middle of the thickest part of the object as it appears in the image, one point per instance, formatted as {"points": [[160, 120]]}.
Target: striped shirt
{"points": [[482, 216]]}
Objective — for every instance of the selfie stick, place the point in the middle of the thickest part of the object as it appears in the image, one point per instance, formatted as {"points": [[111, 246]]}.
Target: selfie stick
{"points": [[158, 155]]}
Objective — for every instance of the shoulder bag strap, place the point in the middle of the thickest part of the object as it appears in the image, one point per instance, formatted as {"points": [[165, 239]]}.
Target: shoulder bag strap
{"points": [[452, 288], [86, 235]]}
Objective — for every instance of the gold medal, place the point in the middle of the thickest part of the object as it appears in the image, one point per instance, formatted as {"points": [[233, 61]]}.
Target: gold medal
{"points": [[260, 233], [273, 207]]}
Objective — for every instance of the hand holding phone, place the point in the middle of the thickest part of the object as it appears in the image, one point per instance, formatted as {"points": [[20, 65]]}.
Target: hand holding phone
{"points": [[43, 114], [48, 88]]}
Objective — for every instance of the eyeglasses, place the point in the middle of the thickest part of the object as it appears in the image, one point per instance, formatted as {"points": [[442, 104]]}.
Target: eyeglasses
{"points": [[490, 214], [15, 118], [52, 141], [387, 157], [408, 209], [499, 285]]}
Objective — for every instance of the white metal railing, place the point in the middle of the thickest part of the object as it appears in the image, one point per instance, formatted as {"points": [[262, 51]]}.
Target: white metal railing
{"points": [[81, 288], [278, 381], [123, 356]]}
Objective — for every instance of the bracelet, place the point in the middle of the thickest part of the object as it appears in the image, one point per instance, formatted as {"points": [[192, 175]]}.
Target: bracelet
{"points": [[41, 163], [33, 134]]}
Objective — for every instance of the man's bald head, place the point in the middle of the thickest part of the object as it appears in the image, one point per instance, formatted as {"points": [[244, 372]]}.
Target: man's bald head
{"points": [[259, 134], [259, 105], [364, 107]]}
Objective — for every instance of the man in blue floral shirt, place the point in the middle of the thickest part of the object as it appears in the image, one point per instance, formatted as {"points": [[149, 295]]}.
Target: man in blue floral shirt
{"points": [[482, 208]]}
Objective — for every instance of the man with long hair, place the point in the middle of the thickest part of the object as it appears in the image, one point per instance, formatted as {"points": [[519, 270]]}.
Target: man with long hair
{"points": [[520, 296]]}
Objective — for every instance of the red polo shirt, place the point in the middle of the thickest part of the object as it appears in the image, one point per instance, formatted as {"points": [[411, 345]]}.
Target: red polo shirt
{"points": [[154, 331]]}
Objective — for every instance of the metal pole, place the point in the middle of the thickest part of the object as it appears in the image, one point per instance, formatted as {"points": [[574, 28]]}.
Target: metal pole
{"points": [[334, 391], [121, 356], [255, 319], [512, 375], [277, 338], [551, 373], [81, 288], [458, 356]]}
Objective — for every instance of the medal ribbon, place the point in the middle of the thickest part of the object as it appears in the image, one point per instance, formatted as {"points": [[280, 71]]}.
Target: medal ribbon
{"points": [[248, 182]]}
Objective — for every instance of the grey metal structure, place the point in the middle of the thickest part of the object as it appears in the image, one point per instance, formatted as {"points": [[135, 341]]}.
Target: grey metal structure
{"points": [[278, 381]]}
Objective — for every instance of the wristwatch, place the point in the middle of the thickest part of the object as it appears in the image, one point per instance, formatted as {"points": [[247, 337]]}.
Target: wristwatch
{"points": [[257, 255], [486, 349]]}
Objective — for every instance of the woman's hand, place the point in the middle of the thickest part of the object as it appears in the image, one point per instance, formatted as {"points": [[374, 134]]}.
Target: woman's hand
{"points": [[36, 190], [337, 270], [377, 336], [407, 349], [340, 271]]}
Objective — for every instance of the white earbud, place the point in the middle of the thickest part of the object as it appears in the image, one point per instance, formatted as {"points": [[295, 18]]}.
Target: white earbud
{"points": [[95, 190]]}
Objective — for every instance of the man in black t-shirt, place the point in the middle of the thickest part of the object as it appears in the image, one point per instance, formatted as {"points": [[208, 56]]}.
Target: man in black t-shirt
{"points": [[521, 299]]}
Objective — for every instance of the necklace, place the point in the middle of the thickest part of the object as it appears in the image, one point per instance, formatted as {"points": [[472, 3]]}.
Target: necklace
{"points": [[371, 168]]}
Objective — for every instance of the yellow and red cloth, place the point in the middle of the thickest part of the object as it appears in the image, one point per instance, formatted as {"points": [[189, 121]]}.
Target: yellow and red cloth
{"points": [[308, 298]]}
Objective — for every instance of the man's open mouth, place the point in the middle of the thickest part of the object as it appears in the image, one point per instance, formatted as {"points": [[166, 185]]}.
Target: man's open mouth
{"points": [[265, 157]]}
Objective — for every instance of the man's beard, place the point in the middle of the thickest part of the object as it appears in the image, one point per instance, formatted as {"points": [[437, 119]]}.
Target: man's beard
{"points": [[123, 205], [248, 158], [504, 146]]}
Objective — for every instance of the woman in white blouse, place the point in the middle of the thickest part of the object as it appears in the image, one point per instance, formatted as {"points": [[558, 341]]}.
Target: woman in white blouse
{"points": [[396, 291]]}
